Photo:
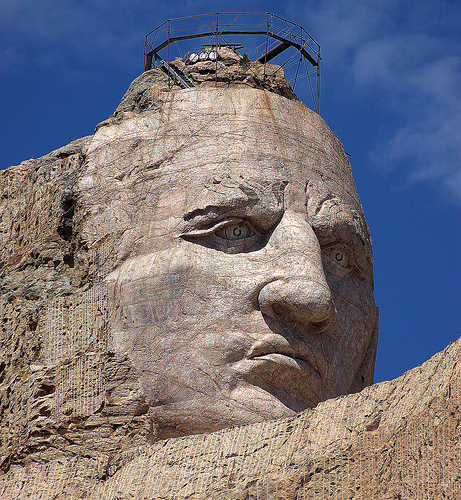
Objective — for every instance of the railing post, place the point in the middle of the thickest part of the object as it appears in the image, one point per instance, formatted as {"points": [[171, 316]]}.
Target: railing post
{"points": [[267, 48], [317, 110], [169, 23], [216, 62]]}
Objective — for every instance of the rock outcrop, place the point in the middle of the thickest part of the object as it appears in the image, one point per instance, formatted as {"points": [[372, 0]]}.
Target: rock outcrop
{"points": [[74, 421], [397, 439]]}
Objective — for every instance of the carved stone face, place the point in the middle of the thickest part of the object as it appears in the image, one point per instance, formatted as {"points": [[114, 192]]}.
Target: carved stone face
{"points": [[245, 288]]}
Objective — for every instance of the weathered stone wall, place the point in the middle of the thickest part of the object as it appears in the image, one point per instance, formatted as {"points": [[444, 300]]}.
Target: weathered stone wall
{"points": [[58, 369]]}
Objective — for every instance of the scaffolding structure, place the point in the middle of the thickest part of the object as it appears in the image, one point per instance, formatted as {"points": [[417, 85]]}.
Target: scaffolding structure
{"points": [[261, 36]]}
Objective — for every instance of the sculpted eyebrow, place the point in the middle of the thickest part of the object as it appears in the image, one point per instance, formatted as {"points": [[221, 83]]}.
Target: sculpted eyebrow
{"points": [[215, 210], [224, 207], [333, 219], [343, 231]]}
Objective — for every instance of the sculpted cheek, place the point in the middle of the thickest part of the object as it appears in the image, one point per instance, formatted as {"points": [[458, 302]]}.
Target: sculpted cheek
{"points": [[356, 310], [246, 291]]}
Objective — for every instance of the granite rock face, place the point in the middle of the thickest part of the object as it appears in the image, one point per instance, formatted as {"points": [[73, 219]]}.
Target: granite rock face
{"points": [[397, 439], [96, 244], [243, 283]]}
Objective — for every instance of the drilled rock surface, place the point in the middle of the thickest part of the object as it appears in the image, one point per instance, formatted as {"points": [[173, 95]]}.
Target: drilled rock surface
{"points": [[397, 439], [54, 348], [75, 421]]}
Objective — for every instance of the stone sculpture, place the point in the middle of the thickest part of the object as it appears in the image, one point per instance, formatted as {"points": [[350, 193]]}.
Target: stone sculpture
{"points": [[202, 261], [243, 285]]}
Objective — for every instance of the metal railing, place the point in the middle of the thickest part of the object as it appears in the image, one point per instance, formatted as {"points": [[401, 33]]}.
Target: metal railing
{"points": [[261, 36]]}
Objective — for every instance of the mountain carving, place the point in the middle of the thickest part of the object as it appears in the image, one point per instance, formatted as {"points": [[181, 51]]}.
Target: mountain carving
{"points": [[76, 419]]}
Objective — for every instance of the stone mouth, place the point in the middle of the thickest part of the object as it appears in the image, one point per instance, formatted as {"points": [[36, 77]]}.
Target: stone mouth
{"points": [[276, 347], [288, 362]]}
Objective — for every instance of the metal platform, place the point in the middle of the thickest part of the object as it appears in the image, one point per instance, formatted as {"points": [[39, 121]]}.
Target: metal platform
{"points": [[261, 36]]}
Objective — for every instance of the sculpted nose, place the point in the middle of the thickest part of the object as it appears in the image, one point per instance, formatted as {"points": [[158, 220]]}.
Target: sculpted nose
{"points": [[305, 300]]}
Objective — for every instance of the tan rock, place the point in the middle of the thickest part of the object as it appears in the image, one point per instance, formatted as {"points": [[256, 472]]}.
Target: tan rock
{"points": [[202, 262], [397, 439], [243, 288]]}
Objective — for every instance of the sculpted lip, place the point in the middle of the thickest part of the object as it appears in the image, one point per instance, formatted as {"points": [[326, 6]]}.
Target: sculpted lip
{"points": [[276, 344]]}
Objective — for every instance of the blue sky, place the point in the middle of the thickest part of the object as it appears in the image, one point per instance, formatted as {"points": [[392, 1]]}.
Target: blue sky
{"points": [[390, 83]]}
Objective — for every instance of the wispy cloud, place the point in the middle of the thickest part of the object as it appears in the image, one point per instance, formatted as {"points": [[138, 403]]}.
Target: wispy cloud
{"points": [[424, 90], [405, 55], [56, 33], [409, 55]]}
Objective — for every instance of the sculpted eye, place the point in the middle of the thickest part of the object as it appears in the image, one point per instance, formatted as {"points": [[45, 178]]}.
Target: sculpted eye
{"points": [[230, 235], [338, 260], [235, 230], [339, 256]]}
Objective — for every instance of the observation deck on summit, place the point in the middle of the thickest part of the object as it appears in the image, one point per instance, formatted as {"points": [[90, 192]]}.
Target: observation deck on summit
{"points": [[278, 45]]}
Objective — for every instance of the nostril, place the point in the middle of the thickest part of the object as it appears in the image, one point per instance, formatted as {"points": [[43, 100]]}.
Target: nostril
{"points": [[279, 309], [321, 312], [321, 326]]}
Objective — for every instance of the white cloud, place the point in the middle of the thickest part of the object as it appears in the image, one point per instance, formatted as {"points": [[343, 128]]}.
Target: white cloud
{"points": [[452, 184], [401, 54], [53, 32], [406, 57], [426, 96], [344, 26]]}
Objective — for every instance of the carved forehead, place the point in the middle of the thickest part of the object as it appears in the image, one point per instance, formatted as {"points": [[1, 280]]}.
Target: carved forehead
{"points": [[220, 146], [215, 128]]}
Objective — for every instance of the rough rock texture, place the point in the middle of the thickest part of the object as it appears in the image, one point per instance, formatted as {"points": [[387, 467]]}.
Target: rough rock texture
{"points": [[231, 69], [75, 421], [54, 348], [243, 288], [148, 91], [394, 440]]}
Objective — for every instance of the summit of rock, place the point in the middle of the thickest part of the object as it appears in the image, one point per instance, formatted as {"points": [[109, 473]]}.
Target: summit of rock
{"points": [[230, 70]]}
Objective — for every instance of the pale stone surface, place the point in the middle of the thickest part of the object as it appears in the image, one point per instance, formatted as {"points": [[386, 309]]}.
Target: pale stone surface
{"points": [[158, 278], [243, 289], [397, 439]]}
